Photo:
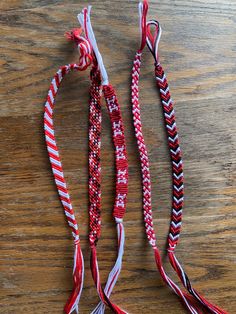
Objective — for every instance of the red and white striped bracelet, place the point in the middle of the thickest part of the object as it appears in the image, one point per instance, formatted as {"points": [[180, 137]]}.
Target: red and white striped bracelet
{"points": [[193, 301]]}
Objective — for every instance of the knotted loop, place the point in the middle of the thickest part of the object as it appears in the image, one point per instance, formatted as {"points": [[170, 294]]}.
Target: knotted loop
{"points": [[143, 9], [84, 47], [153, 38], [85, 22]]}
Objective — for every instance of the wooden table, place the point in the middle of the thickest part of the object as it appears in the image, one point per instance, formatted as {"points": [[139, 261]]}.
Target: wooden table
{"points": [[198, 53]]}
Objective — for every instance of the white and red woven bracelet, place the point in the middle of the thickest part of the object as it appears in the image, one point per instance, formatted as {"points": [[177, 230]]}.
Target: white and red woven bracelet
{"points": [[194, 300], [78, 270], [121, 174]]}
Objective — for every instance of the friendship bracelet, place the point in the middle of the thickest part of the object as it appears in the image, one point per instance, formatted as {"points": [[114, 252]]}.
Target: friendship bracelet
{"points": [[78, 270], [177, 171], [121, 174]]}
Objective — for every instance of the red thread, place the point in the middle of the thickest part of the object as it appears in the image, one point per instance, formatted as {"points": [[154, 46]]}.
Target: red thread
{"points": [[146, 184], [77, 278], [143, 24], [121, 170]]}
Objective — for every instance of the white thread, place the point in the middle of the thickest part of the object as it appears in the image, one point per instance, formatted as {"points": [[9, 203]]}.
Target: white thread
{"points": [[155, 48], [114, 274], [93, 42], [140, 10], [118, 220], [75, 307]]}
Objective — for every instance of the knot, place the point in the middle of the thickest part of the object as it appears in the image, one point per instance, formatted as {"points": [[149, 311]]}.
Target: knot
{"points": [[171, 249], [153, 39], [74, 35], [84, 47], [76, 240], [118, 220], [85, 22], [93, 239]]}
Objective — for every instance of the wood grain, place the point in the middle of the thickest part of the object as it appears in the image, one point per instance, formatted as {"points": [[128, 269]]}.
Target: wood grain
{"points": [[198, 53]]}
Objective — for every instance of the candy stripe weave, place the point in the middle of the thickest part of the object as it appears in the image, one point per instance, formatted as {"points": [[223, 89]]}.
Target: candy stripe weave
{"points": [[78, 271]]}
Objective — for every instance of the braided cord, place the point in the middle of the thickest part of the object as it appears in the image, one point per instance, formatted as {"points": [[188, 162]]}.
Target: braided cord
{"points": [[78, 272], [178, 187], [143, 154], [53, 149], [176, 159], [177, 168]]}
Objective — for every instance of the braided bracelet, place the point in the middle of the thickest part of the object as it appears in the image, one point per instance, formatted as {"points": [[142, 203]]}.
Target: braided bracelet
{"points": [[177, 170], [152, 41], [121, 175], [78, 270]]}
